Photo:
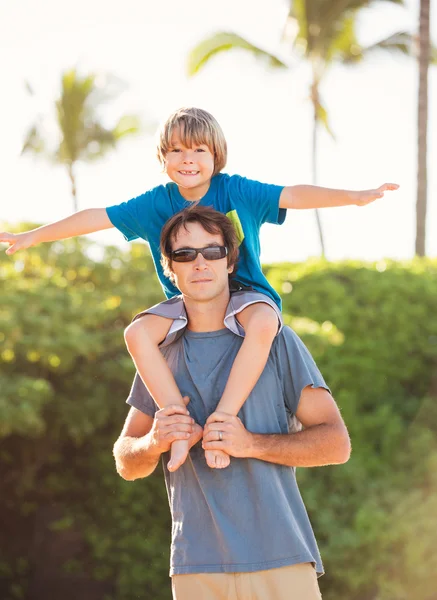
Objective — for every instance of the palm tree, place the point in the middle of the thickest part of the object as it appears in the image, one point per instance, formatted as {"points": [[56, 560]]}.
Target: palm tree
{"points": [[82, 136], [322, 32], [422, 127]]}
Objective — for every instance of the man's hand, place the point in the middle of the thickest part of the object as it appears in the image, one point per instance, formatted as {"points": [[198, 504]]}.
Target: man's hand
{"points": [[16, 241], [235, 439], [174, 423], [367, 196]]}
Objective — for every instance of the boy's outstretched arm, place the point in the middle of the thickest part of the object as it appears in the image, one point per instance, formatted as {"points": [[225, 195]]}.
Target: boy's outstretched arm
{"points": [[312, 196], [82, 222]]}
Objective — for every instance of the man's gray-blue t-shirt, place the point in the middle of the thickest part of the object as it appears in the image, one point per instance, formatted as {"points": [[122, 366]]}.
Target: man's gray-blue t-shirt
{"points": [[249, 516], [248, 204]]}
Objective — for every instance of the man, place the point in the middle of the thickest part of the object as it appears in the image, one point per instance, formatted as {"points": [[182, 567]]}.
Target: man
{"points": [[241, 532]]}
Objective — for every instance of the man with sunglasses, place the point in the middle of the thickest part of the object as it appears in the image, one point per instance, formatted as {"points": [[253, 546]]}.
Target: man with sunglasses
{"points": [[241, 532]]}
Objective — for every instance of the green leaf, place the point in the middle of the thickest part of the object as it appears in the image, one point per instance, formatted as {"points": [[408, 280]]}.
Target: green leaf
{"points": [[33, 141], [400, 42], [322, 117], [223, 42]]}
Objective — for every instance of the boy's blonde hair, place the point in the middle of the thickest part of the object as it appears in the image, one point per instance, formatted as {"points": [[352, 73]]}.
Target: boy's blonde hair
{"points": [[195, 127]]}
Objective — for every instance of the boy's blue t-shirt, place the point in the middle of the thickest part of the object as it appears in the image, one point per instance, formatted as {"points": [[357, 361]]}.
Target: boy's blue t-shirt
{"points": [[247, 203]]}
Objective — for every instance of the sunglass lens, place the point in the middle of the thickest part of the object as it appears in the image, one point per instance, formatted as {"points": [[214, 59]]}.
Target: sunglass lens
{"points": [[213, 253], [184, 255]]}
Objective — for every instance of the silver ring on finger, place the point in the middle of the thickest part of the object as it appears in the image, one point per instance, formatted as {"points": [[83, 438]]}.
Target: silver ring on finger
{"points": [[220, 434]]}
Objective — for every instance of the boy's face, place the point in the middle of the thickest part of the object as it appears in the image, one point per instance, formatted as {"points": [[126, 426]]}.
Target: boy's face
{"points": [[190, 168]]}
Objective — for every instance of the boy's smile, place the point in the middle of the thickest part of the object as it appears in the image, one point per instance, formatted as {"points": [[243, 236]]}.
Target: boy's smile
{"points": [[190, 168]]}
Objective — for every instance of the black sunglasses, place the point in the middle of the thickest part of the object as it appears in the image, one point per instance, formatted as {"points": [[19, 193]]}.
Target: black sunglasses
{"points": [[190, 254]]}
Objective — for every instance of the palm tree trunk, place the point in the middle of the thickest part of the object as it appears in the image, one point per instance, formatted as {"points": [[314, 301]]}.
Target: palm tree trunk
{"points": [[72, 177], [422, 118], [314, 97]]}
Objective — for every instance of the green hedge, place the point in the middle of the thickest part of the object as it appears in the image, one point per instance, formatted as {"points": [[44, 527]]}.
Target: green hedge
{"points": [[376, 516], [70, 524]]}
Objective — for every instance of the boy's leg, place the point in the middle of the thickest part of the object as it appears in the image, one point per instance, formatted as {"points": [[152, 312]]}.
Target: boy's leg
{"points": [[143, 337], [260, 323]]}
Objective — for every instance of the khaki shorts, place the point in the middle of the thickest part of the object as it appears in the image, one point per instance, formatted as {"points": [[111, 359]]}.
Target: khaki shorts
{"points": [[297, 582]]}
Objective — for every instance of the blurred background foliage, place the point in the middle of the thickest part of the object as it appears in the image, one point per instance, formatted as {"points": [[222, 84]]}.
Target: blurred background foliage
{"points": [[71, 525]]}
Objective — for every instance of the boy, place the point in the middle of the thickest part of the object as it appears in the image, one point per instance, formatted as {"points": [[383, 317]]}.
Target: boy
{"points": [[192, 150]]}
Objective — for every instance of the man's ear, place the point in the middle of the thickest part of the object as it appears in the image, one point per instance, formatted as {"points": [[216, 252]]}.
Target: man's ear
{"points": [[230, 268]]}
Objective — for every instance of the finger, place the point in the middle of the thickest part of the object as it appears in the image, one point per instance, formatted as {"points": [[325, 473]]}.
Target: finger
{"points": [[176, 420], [215, 446], [388, 187], [7, 238], [212, 418], [219, 417], [212, 436], [188, 427], [186, 400], [218, 426], [176, 435], [196, 436], [172, 409], [11, 250]]}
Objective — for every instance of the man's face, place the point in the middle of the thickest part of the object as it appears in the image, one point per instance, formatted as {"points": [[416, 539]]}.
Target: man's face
{"points": [[190, 168], [200, 280]]}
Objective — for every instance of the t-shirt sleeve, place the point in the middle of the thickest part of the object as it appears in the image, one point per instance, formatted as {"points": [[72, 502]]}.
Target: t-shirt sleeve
{"points": [[260, 199], [128, 217], [296, 367], [140, 398]]}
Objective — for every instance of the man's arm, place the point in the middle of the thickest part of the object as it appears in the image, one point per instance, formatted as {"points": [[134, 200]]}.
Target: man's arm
{"points": [[143, 439], [82, 222], [324, 441], [311, 196]]}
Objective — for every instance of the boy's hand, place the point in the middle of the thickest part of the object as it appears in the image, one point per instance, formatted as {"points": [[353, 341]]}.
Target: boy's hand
{"points": [[16, 241], [368, 196]]}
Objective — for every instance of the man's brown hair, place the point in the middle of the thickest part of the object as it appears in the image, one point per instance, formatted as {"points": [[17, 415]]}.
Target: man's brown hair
{"points": [[211, 220], [195, 127]]}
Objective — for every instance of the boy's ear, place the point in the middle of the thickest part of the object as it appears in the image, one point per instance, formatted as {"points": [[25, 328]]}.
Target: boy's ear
{"points": [[230, 268]]}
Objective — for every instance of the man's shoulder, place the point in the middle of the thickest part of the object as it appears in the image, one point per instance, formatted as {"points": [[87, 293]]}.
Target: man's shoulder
{"points": [[287, 341], [286, 335]]}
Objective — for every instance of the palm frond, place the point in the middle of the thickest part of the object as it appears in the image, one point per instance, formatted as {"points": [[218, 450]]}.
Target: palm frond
{"points": [[96, 142], [224, 41], [127, 125], [343, 46], [98, 139], [322, 117], [327, 29], [401, 42], [33, 141]]}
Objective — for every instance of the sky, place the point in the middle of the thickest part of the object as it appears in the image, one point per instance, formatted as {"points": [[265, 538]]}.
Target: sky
{"points": [[265, 115]]}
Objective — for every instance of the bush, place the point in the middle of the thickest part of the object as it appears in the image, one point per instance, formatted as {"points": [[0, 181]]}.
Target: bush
{"points": [[375, 517], [71, 525]]}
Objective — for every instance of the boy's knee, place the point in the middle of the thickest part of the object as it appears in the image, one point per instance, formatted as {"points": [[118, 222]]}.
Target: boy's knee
{"points": [[262, 323], [134, 333], [148, 329]]}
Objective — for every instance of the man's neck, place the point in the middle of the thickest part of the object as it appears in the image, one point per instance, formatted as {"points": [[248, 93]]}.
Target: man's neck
{"points": [[206, 316]]}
